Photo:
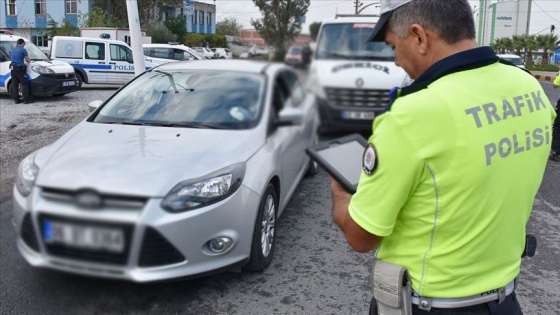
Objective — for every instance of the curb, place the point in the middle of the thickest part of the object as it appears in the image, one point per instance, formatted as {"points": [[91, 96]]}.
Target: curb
{"points": [[545, 77]]}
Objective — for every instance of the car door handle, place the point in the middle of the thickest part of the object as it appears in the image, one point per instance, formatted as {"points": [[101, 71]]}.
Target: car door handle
{"points": [[101, 62], [112, 63]]}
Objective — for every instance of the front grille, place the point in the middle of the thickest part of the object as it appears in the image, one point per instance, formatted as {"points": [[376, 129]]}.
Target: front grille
{"points": [[89, 255], [358, 98], [60, 76], [28, 233], [117, 201], [157, 251]]}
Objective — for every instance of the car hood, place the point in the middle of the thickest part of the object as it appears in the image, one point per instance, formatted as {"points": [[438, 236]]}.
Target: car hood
{"points": [[139, 160], [347, 73], [54, 65]]}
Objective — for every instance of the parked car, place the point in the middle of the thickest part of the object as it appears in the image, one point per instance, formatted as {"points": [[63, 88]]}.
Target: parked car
{"points": [[515, 59], [293, 56], [206, 52], [223, 53], [46, 77], [162, 53], [170, 177], [255, 50]]}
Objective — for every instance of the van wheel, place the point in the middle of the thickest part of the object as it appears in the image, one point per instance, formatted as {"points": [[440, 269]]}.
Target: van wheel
{"points": [[80, 80]]}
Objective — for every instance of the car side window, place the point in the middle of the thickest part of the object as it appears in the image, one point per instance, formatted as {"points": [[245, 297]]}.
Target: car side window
{"points": [[120, 53], [95, 51]]}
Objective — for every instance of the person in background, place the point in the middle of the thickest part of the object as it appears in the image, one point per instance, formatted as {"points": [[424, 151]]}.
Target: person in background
{"points": [[555, 151], [452, 169], [18, 68]]}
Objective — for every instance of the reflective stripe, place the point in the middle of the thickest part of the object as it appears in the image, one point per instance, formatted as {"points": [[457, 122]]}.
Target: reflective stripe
{"points": [[465, 301]]}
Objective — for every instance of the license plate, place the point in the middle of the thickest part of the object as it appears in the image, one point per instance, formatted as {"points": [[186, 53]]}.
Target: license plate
{"points": [[68, 83], [84, 237], [358, 115]]}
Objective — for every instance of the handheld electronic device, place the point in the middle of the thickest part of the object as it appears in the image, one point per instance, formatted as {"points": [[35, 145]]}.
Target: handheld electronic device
{"points": [[341, 158]]}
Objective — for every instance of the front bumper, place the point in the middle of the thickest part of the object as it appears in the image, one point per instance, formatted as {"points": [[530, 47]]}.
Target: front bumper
{"points": [[158, 245], [336, 119], [53, 84]]}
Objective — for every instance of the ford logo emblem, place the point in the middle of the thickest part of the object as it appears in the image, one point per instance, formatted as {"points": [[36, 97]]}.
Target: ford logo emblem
{"points": [[359, 82], [88, 199]]}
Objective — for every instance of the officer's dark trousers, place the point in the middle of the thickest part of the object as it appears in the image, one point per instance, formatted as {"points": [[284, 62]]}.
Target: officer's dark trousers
{"points": [[556, 130], [509, 306], [19, 75]]}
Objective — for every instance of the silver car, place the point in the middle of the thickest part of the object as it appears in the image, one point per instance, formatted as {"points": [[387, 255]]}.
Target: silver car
{"points": [[184, 171]]}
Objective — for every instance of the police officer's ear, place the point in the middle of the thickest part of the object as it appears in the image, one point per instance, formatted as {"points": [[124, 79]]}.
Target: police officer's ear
{"points": [[421, 37]]}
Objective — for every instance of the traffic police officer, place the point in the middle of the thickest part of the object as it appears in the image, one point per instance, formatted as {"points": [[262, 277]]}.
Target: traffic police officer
{"points": [[19, 72], [452, 168], [555, 152]]}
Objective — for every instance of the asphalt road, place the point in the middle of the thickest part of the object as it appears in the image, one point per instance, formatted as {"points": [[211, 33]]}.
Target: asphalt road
{"points": [[314, 271]]}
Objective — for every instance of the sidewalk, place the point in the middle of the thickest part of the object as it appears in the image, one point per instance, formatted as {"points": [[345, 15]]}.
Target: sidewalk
{"points": [[545, 75]]}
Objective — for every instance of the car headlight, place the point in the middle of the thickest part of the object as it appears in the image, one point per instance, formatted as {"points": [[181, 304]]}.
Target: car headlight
{"points": [[200, 192], [41, 69], [27, 173], [313, 84]]}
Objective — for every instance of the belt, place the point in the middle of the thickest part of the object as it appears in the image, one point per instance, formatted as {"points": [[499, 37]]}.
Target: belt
{"points": [[426, 303]]}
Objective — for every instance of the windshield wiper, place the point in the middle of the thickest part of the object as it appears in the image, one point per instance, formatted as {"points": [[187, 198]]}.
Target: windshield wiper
{"points": [[191, 125]]}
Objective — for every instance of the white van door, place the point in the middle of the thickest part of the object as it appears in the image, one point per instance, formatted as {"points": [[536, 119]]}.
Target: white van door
{"points": [[122, 64], [95, 64]]}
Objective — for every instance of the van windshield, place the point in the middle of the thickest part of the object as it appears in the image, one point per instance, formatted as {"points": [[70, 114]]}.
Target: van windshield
{"points": [[349, 41], [33, 51]]}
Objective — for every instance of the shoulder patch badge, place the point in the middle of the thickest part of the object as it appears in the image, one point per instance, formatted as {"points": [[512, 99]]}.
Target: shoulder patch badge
{"points": [[369, 163]]}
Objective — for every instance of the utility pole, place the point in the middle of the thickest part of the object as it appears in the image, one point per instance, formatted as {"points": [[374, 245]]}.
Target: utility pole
{"points": [[135, 36], [358, 6]]}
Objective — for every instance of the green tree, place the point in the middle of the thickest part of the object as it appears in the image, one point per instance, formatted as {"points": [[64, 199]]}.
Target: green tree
{"points": [[530, 46], [148, 10], [547, 42], [280, 22], [314, 30], [229, 26], [160, 33], [96, 17], [65, 28], [518, 43], [177, 26]]}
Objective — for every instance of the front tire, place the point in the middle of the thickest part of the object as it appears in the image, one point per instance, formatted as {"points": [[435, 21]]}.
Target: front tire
{"points": [[80, 80], [264, 234]]}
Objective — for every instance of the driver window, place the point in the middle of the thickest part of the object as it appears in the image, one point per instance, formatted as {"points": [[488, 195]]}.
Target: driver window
{"points": [[120, 53]]}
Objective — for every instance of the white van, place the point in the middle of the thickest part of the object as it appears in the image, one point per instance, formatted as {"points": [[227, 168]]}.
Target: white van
{"points": [[46, 77], [350, 76], [163, 53], [96, 60]]}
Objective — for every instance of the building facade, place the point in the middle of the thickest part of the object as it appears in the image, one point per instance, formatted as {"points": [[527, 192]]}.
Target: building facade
{"points": [[29, 18], [502, 19]]}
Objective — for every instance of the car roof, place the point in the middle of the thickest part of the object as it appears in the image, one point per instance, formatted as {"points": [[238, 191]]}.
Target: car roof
{"points": [[507, 56], [225, 65], [342, 20]]}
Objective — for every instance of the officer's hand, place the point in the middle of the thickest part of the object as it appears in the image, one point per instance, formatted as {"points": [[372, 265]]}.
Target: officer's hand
{"points": [[338, 192]]}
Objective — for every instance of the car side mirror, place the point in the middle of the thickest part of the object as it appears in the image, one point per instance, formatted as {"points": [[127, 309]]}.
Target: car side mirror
{"points": [[290, 117], [94, 105]]}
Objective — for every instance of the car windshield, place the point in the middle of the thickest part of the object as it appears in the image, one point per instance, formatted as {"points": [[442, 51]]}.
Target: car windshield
{"points": [[33, 51], [349, 41], [188, 98], [295, 50]]}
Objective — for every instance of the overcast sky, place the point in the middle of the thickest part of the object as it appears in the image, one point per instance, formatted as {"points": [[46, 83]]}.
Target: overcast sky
{"points": [[544, 12]]}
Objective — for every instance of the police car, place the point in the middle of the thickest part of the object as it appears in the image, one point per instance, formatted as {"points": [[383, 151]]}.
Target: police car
{"points": [[96, 60], [46, 77]]}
